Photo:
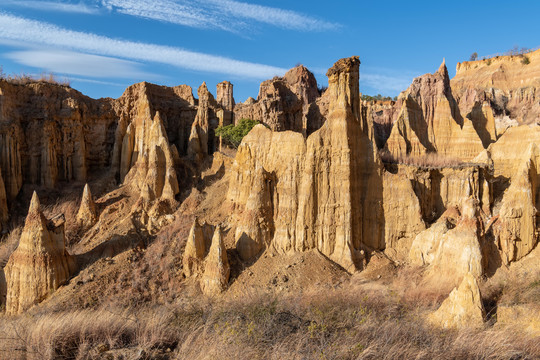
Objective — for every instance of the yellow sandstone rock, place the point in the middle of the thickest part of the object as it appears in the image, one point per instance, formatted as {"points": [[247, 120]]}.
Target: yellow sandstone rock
{"points": [[463, 308], [216, 266], [40, 264], [87, 215]]}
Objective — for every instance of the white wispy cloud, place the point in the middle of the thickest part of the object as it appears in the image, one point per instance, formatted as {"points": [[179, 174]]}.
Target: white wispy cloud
{"points": [[177, 12], [230, 15], [76, 63], [274, 16], [54, 6], [25, 31]]}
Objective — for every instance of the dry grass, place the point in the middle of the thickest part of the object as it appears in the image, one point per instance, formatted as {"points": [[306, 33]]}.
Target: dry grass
{"points": [[336, 324], [24, 79], [429, 160], [9, 243]]}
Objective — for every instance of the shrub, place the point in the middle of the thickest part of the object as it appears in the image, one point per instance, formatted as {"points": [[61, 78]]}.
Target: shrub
{"points": [[525, 60], [234, 134], [474, 56]]}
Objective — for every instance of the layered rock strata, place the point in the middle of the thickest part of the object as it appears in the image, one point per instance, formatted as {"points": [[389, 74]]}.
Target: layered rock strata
{"points": [[510, 84]]}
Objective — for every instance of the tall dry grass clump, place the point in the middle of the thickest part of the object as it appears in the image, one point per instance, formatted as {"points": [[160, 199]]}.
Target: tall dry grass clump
{"points": [[25, 79], [327, 324]]}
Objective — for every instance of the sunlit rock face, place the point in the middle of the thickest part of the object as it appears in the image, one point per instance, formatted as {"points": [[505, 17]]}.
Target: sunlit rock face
{"points": [[40, 264]]}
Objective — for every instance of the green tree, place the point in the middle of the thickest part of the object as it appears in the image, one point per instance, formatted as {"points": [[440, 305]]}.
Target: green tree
{"points": [[234, 134]]}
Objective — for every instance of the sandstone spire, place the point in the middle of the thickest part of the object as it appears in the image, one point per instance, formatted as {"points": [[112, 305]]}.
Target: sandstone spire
{"points": [[216, 267], [87, 215], [195, 250], [40, 264], [255, 228], [200, 143], [463, 308]]}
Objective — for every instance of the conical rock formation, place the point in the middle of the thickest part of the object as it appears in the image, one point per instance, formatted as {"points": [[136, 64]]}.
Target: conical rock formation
{"points": [[463, 308], [216, 267], [40, 264], [87, 215]]}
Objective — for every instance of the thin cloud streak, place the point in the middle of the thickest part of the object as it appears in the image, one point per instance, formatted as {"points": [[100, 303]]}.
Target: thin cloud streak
{"points": [[274, 16], [166, 11], [14, 28], [76, 63], [53, 6]]}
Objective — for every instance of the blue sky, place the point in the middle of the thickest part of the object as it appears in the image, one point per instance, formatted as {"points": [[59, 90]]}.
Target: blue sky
{"points": [[102, 46]]}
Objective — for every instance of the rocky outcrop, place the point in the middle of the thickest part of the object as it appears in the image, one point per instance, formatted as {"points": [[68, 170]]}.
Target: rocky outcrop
{"points": [[40, 264], [201, 138], [255, 228], [216, 266], [516, 227], [288, 103], [87, 215], [463, 308], [58, 138], [153, 173], [197, 245], [328, 188], [453, 245], [510, 84], [403, 218], [224, 98], [429, 120]]}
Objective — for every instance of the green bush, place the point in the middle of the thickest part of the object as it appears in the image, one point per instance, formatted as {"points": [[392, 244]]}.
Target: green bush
{"points": [[234, 134], [525, 60]]}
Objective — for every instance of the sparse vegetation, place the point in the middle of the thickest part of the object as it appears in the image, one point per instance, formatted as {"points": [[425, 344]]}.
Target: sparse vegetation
{"points": [[525, 60], [336, 324], [23, 79], [474, 56], [233, 134], [378, 97]]}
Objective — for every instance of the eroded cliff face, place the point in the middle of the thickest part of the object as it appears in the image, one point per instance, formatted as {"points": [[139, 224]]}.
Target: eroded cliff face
{"points": [[508, 83], [287, 103], [429, 120], [319, 186], [40, 264], [58, 138]]}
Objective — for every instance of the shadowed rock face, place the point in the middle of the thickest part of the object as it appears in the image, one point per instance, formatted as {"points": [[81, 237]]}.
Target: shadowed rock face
{"points": [[40, 264]]}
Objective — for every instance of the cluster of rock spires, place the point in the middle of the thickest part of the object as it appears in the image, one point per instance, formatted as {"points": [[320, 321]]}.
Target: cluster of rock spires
{"points": [[312, 179]]}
